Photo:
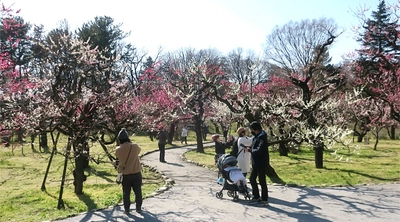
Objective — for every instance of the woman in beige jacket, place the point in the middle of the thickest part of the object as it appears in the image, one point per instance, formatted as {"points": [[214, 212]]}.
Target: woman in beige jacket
{"points": [[129, 165]]}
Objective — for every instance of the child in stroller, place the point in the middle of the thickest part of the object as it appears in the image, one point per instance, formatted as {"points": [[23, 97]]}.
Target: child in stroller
{"points": [[234, 181]]}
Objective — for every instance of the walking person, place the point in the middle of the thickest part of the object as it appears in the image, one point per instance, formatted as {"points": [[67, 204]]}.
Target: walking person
{"points": [[184, 135], [260, 161], [243, 155], [129, 165], [162, 137]]}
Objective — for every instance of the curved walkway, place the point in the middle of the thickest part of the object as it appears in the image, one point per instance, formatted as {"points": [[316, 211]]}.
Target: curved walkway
{"points": [[192, 198]]}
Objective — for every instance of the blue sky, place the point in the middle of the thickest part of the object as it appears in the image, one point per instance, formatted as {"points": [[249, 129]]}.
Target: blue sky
{"points": [[221, 24]]}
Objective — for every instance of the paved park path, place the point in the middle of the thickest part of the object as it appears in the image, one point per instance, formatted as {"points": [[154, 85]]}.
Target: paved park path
{"points": [[192, 198]]}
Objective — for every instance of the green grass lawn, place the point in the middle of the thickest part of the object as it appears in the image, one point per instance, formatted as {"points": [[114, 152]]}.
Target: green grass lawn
{"points": [[22, 171], [347, 168]]}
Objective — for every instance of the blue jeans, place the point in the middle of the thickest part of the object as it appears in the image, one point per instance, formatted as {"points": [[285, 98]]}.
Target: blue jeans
{"points": [[260, 173], [132, 182]]}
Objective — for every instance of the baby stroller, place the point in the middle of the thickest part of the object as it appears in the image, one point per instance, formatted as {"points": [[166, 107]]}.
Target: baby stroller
{"points": [[228, 184]]}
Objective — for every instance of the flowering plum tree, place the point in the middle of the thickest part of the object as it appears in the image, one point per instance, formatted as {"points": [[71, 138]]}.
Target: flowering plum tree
{"points": [[187, 75], [13, 84], [75, 105], [377, 67], [300, 50]]}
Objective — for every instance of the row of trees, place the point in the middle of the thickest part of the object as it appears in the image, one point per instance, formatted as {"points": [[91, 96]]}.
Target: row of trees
{"points": [[88, 83]]}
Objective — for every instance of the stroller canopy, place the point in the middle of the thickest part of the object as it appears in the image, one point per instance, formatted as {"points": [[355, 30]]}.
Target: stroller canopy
{"points": [[226, 159]]}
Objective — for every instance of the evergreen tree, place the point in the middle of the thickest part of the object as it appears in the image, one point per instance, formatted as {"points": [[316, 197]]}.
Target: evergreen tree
{"points": [[377, 66], [380, 34]]}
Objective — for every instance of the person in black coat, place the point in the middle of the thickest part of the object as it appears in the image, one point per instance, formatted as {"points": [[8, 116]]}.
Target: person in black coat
{"points": [[260, 161], [162, 137]]}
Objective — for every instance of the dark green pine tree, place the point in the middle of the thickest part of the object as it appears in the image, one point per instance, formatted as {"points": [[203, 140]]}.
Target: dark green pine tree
{"points": [[380, 35], [107, 37]]}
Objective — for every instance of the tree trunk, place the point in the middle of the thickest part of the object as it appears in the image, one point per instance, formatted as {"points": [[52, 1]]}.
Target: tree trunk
{"points": [[33, 142], [81, 154], [79, 175], [376, 142], [199, 135], [360, 137], [319, 152], [43, 140], [392, 132], [283, 149], [20, 135]]}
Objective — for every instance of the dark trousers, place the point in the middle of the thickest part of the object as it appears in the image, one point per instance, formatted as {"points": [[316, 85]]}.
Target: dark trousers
{"points": [[132, 182], [260, 173], [184, 139], [161, 147]]}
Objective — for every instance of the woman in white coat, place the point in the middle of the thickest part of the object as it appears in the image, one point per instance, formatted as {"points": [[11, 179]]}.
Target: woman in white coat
{"points": [[243, 155]]}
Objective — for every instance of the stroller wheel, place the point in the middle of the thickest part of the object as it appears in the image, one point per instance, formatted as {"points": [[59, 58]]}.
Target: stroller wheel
{"points": [[236, 198], [230, 193], [219, 195]]}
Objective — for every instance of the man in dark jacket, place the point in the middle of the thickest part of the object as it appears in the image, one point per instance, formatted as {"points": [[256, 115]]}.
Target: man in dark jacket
{"points": [[260, 160], [162, 137]]}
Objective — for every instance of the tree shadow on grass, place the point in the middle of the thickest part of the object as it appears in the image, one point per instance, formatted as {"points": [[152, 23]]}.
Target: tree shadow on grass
{"points": [[363, 174], [277, 180], [88, 201]]}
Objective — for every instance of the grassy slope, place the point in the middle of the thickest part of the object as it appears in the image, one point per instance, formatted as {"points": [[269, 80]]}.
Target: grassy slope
{"points": [[369, 166], [22, 171]]}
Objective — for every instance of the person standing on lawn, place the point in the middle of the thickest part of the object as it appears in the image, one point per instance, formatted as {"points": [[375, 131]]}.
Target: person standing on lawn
{"points": [[129, 165], [260, 161]]}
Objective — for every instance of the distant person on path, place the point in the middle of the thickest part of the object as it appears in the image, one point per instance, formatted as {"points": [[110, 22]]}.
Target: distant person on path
{"points": [[184, 134], [243, 154], [162, 137], [129, 165], [260, 161], [219, 147], [204, 129]]}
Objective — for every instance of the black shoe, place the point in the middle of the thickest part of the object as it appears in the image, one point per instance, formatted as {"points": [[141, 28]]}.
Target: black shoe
{"points": [[163, 161], [255, 200]]}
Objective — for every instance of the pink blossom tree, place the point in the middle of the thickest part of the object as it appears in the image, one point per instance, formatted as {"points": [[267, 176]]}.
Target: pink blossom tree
{"points": [[13, 83], [185, 77], [377, 66]]}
